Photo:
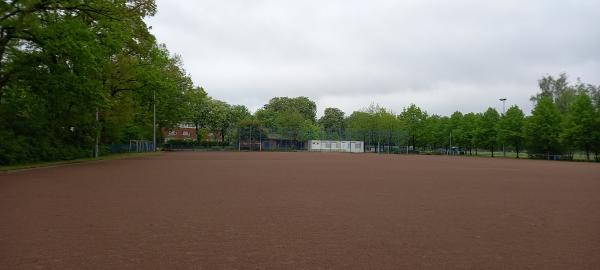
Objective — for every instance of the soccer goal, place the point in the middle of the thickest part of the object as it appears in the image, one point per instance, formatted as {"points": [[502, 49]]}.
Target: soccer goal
{"points": [[140, 146]]}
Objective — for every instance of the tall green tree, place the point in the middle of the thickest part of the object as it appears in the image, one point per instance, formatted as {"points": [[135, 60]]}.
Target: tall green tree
{"points": [[437, 132], [281, 107], [332, 119], [413, 119], [306, 107], [197, 104], [469, 130], [456, 127], [596, 136], [510, 128], [360, 125], [594, 92], [266, 117], [231, 116], [386, 123], [580, 125], [488, 129], [559, 89], [88, 74], [290, 124], [219, 121], [542, 128]]}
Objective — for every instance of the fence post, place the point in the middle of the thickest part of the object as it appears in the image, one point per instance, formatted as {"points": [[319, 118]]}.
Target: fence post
{"points": [[260, 141], [407, 141], [250, 138], [389, 140], [350, 140]]}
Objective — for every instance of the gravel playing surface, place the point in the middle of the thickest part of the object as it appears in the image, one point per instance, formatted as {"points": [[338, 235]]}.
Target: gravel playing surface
{"points": [[302, 211]]}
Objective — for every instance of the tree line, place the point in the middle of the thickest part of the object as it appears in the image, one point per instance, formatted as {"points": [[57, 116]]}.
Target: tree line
{"points": [[79, 74], [565, 120], [75, 74]]}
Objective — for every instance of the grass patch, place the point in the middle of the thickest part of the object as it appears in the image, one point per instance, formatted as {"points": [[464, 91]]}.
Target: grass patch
{"points": [[73, 161]]}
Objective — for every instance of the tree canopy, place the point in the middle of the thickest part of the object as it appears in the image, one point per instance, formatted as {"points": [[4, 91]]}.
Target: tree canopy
{"points": [[510, 128], [543, 127], [79, 74], [332, 119], [74, 74]]}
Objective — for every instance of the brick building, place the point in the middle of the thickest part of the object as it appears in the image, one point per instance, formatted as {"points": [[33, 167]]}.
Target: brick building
{"points": [[188, 133], [183, 132]]}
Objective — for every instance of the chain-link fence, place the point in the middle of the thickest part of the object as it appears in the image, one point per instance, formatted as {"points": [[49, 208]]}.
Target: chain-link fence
{"points": [[265, 139], [392, 141]]}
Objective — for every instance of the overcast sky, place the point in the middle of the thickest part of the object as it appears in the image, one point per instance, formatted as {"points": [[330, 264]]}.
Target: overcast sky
{"points": [[441, 55]]}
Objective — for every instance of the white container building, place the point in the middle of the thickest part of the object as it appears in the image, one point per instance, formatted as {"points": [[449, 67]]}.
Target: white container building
{"points": [[336, 146]]}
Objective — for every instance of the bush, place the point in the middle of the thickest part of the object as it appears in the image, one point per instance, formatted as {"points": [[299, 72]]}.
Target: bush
{"points": [[13, 149]]}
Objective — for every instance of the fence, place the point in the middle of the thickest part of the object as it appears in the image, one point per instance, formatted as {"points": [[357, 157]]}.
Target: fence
{"points": [[141, 146], [392, 141], [263, 139]]}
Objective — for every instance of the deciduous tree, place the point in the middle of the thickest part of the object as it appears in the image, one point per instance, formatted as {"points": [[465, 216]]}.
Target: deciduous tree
{"points": [[510, 128], [580, 125], [542, 128], [332, 119]]}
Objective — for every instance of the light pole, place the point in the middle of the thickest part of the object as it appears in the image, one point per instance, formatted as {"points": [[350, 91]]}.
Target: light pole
{"points": [[97, 147], [450, 144], [154, 121], [503, 115]]}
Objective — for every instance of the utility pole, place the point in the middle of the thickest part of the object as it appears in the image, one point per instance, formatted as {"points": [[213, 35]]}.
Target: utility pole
{"points": [[503, 115], [154, 121]]}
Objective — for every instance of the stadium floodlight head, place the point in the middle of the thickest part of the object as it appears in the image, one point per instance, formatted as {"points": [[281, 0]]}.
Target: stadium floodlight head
{"points": [[503, 105]]}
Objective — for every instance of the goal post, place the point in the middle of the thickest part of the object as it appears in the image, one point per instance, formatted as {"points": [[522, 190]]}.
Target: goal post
{"points": [[140, 146]]}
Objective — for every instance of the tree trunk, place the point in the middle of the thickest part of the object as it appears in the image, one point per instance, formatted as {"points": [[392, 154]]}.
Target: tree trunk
{"points": [[587, 153]]}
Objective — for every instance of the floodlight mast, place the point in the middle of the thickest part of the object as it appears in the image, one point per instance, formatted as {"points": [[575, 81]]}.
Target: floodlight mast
{"points": [[503, 105], [503, 115]]}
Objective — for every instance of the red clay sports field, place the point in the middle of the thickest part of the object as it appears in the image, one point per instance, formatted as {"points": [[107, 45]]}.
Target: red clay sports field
{"points": [[302, 211]]}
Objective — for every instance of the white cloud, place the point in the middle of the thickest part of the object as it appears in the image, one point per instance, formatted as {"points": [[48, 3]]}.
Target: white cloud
{"points": [[441, 55]]}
